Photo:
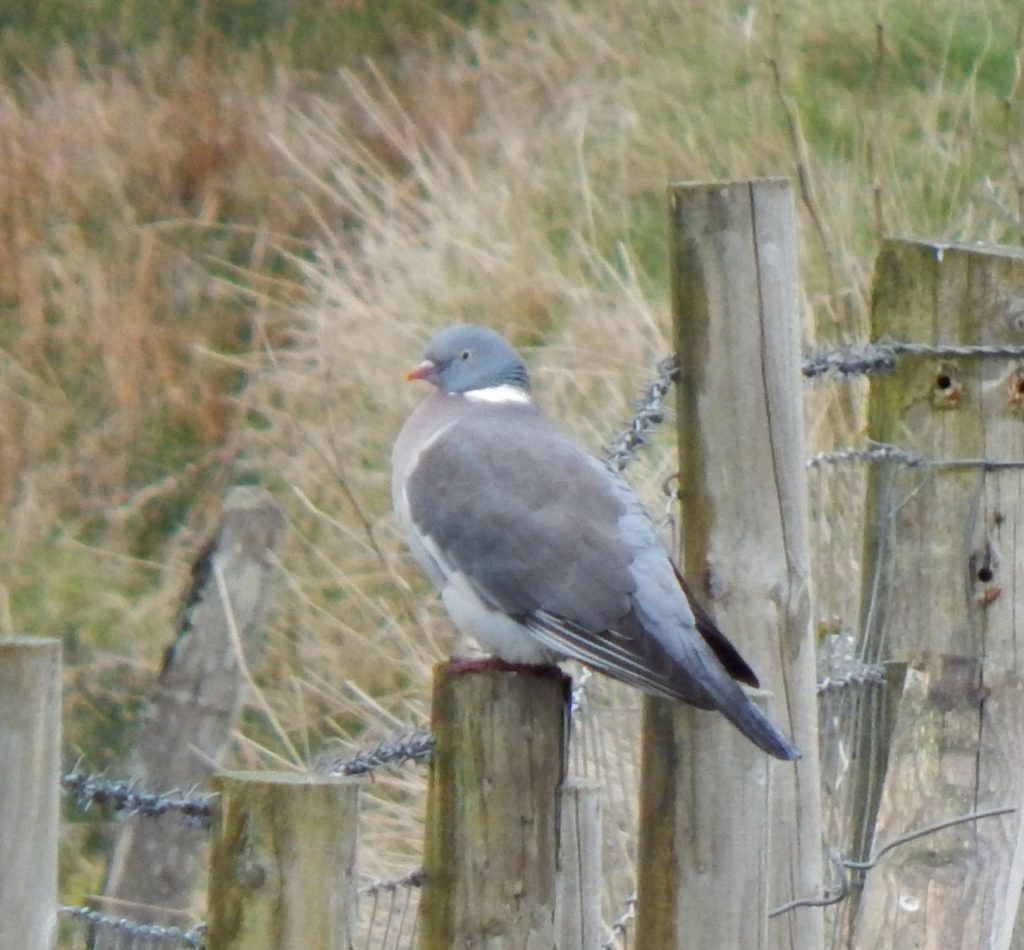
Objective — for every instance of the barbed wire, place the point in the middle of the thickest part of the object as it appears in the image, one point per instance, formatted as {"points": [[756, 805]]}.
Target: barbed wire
{"points": [[838, 893], [413, 878], [126, 795], [417, 746], [877, 452], [650, 411], [193, 937], [195, 806], [883, 452], [861, 359], [866, 674], [853, 359], [623, 448]]}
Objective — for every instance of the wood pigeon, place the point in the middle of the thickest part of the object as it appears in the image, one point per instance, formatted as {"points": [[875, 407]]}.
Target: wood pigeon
{"points": [[542, 552]]}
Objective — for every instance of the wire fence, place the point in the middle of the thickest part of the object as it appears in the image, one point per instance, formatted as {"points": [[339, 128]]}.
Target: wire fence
{"points": [[604, 741], [883, 357], [391, 913], [836, 894], [125, 795], [127, 927]]}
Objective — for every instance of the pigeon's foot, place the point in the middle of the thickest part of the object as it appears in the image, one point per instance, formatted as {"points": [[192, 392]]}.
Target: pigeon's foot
{"points": [[475, 664]]}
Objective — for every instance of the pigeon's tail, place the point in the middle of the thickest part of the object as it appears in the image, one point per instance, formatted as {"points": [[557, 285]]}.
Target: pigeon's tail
{"points": [[749, 718], [680, 665], [699, 676]]}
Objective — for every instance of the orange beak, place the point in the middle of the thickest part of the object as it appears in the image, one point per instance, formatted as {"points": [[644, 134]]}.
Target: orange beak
{"points": [[421, 371]]}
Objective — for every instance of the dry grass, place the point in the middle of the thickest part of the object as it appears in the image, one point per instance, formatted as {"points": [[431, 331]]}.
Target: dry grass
{"points": [[212, 272]]}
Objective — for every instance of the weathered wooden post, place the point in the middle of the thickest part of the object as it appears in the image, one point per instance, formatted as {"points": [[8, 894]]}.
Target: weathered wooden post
{"points": [[943, 591], [30, 719], [696, 833], [491, 850], [737, 323], [579, 867], [196, 705], [283, 862]]}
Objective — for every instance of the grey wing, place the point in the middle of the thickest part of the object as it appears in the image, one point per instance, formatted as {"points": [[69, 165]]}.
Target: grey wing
{"points": [[656, 645], [527, 517], [666, 644]]}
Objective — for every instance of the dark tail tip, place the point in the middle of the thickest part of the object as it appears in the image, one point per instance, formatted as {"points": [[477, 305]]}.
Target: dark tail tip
{"points": [[751, 720], [785, 750]]}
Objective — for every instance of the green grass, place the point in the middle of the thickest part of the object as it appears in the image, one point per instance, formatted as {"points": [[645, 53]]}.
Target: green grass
{"points": [[306, 35]]}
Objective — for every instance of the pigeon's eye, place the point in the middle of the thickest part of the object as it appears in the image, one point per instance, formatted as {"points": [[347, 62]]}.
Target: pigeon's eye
{"points": [[464, 355]]}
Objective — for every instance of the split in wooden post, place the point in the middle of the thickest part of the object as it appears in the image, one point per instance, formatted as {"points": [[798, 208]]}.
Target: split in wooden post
{"points": [[579, 867]]}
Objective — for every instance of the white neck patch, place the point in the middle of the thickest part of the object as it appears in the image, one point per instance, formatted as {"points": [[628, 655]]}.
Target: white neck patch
{"points": [[506, 393]]}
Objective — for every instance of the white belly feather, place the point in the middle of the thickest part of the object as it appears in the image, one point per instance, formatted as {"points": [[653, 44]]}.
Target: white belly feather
{"points": [[496, 632]]}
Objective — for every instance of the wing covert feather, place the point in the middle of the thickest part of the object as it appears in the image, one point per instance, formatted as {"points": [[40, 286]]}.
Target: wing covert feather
{"points": [[546, 539]]}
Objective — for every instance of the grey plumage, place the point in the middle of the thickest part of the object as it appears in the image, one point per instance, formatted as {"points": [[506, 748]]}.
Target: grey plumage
{"points": [[541, 551]]}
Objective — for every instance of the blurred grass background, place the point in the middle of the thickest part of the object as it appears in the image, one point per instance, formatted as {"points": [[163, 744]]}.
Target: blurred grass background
{"points": [[226, 228]]}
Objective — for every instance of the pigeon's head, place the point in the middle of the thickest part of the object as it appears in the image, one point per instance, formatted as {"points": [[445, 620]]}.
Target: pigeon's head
{"points": [[466, 358]]}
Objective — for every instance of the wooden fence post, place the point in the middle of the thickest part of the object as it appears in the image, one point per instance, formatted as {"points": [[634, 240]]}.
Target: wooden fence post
{"points": [[944, 590], [695, 833], [579, 866], [30, 721], [282, 865], [940, 542], [194, 711], [959, 720], [737, 328], [491, 849]]}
